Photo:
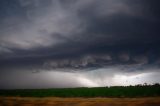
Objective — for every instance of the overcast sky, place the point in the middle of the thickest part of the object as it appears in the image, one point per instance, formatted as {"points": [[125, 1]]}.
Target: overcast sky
{"points": [[79, 43]]}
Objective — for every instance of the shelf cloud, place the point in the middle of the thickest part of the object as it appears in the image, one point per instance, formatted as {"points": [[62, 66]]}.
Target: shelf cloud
{"points": [[83, 36]]}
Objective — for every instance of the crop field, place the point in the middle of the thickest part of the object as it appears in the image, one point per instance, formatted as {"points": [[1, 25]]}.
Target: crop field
{"points": [[117, 91], [103, 96]]}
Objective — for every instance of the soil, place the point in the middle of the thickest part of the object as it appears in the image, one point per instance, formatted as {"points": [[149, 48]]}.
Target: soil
{"points": [[53, 101]]}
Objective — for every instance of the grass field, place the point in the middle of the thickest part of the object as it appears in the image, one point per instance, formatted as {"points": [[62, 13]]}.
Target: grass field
{"points": [[52, 101], [148, 95], [117, 91]]}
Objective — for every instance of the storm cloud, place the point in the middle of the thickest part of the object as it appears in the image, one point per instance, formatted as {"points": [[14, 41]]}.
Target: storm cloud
{"points": [[82, 36]]}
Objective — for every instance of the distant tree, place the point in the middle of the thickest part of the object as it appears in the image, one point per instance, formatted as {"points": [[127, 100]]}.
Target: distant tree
{"points": [[139, 85], [145, 84], [156, 84]]}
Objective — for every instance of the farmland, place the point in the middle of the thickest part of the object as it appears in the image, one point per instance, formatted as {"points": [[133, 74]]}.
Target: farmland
{"points": [[114, 91], [52, 101], [148, 95]]}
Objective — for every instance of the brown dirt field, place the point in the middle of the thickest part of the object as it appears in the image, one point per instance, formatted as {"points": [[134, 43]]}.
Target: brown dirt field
{"points": [[52, 101]]}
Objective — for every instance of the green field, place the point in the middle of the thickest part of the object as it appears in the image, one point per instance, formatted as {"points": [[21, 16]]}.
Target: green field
{"points": [[115, 91]]}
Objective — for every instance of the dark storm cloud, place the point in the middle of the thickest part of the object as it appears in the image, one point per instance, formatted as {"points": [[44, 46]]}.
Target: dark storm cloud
{"points": [[62, 30], [73, 36]]}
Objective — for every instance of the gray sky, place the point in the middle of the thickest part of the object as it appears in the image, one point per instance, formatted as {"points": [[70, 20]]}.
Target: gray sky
{"points": [[74, 43]]}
